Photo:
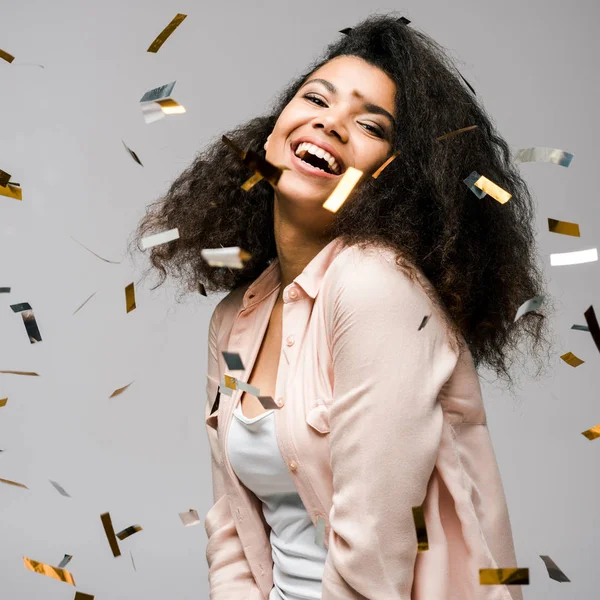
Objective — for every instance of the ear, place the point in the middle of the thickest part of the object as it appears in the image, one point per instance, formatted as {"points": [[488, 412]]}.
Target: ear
{"points": [[267, 142]]}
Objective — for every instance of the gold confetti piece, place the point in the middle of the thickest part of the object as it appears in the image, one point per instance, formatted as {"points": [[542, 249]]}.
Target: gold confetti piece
{"points": [[540, 154], [230, 382], [572, 360], [3, 402], [423, 322], [385, 164], [160, 238], [223, 389], [593, 328], [593, 433], [232, 257], [130, 298], [504, 576], [553, 571], [255, 162], [170, 107], [580, 327], [457, 132], [11, 191], [495, 191], [59, 488], [123, 535], [13, 483], [233, 360], [97, 255], [30, 373], [563, 227], [342, 189], [120, 390], [251, 182], [82, 596], [190, 518], [132, 154], [529, 306], [44, 569], [419, 521], [84, 303], [6, 56], [110, 534], [65, 561], [573, 258], [162, 37], [4, 178]]}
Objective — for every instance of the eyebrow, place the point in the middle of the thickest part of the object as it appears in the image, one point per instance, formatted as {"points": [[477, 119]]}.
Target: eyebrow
{"points": [[372, 108]]}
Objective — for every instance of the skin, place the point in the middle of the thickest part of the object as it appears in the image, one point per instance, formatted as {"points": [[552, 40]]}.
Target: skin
{"points": [[300, 221]]}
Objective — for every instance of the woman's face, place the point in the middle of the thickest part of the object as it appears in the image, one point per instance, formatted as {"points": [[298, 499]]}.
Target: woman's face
{"points": [[350, 113]]}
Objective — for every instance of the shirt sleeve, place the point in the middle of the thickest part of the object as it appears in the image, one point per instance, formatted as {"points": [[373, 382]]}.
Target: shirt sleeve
{"points": [[386, 425], [229, 574]]}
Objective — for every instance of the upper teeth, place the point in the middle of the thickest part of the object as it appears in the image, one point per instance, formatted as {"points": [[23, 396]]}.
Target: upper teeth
{"points": [[308, 147]]}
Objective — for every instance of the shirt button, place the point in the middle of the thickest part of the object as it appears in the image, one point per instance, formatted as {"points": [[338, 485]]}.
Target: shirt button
{"points": [[280, 401], [290, 340], [293, 293], [293, 466]]}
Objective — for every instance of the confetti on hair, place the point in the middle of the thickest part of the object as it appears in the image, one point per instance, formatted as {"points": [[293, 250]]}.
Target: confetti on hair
{"points": [[529, 306], [232, 257], [162, 37], [160, 238], [457, 132], [385, 164], [495, 191]]}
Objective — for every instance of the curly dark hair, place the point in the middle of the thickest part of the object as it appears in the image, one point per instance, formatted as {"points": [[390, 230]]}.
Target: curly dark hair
{"points": [[478, 254]]}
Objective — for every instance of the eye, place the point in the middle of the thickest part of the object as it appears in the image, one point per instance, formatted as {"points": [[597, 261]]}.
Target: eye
{"points": [[311, 97]]}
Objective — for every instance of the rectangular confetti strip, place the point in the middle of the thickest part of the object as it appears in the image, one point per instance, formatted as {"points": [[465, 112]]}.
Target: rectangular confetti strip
{"points": [[246, 387], [572, 360], [320, 532], [11, 191], [563, 227], [580, 327], [593, 433], [385, 164], [13, 483], [160, 238], [44, 569], [457, 132], [268, 402], [495, 191], [504, 576], [123, 535], [130, 298], [3, 402], [4, 178], [233, 361], [132, 154], [29, 373], [4, 55], [541, 154], [573, 258], [82, 596], [110, 534], [232, 257], [190, 518], [65, 561], [120, 390], [224, 389], [162, 37], [251, 182], [163, 91], [230, 382], [419, 520], [592, 322], [59, 488], [342, 190]]}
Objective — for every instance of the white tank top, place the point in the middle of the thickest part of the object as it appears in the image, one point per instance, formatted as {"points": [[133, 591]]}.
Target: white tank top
{"points": [[298, 563]]}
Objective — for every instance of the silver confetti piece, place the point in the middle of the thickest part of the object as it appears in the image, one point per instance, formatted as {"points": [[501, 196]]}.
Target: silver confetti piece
{"points": [[65, 561], [470, 183], [528, 306], [164, 91], [59, 488], [540, 154], [246, 387]]}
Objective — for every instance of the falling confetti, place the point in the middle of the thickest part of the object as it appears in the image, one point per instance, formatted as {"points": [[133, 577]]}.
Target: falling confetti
{"points": [[120, 390], [6, 56], [563, 227], [421, 530], [190, 518], [529, 306], [132, 154], [13, 483], [44, 569], [540, 154], [123, 535], [573, 258], [162, 37], [342, 190], [572, 360], [160, 238], [233, 360], [232, 257], [385, 164], [59, 488], [130, 298], [514, 576], [110, 534], [553, 571]]}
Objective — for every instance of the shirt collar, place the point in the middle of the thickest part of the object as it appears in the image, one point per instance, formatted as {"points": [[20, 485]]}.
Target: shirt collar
{"points": [[309, 280]]}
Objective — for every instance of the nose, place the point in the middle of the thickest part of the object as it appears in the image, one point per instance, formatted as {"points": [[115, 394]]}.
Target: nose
{"points": [[332, 124]]}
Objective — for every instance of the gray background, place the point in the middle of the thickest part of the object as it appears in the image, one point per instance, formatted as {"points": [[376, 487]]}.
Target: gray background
{"points": [[143, 455]]}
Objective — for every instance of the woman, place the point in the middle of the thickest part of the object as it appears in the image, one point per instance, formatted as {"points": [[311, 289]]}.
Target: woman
{"points": [[366, 327]]}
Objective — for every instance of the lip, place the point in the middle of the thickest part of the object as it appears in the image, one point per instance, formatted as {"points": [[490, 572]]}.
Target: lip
{"points": [[321, 144], [304, 167]]}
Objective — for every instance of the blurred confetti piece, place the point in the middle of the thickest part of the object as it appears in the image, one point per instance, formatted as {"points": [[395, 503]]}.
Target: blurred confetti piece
{"points": [[563, 227], [3, 402], [232, 257], [580, 327], [123, 535], [97, 255], [160, 238], [120, 390], [320, 532], [170, 107], [132, 154], [385, 164], [44, 569], [342, 189], [419, 520], [21, 306], [495, 191], [255, 162], [540, 154], [30, 373], [233, 360], [13, 483], [6, 56], [346, 31], [573, 258], [4, 290], [246, 387], [268, 402], [157, 103], [84, 303], [223, 389], [423, 322], [132, 561], [29, 321], [572, 360], [594, 329], [202, 289], [504, 576], [59, 488], [82, 596], [110, 534], [4, 178], [553, 570], [457, 132], [528, 306], [230, 382], [163, 91], [151, 111], [65, 561], [162, 37], [130, 298], [11, 191], [190, 518], [593, 433], [251, 182]]}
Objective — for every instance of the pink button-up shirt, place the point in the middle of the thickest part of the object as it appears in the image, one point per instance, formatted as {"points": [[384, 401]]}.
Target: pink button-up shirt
{"points": [[376, 416]]}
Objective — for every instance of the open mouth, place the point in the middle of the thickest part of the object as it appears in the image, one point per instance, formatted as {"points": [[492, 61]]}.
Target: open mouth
{"points": [[311, 163]]}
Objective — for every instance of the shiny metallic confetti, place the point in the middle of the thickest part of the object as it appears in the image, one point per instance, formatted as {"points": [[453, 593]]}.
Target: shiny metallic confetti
{"points": [[190, 518], [232, 257], [233, 360], [44, 569], [9, 482], [132, 154], [540, 154], [130, 298], [553, 570], [590, 434], [457, 132], [4, 178], [29, 373], [251, 181], [230, 382], [246, 387], [3, 402], [110, 534], [223, 387], [82, 596], [470, 183], [268, 402], [529, 306], [162, 37], [594, 329], [29, 321], [151, 111], [96, 255], [572, 360], [563, 227], [12, 191], [170, 107], [120, 390], [423, 322], [385, 164], [84, 303], [65, 561], [573, 258], [59, 488], [123, 535], [6, 56], [160, 238], [320, 532], [504, 576], [419, 520], [495, 191], [342, 190], [157, 103], [580, 327], [159, 93]]}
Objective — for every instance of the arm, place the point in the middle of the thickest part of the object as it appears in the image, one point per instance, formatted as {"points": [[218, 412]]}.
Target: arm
{"points": [[386, 426], [229, 575]]}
